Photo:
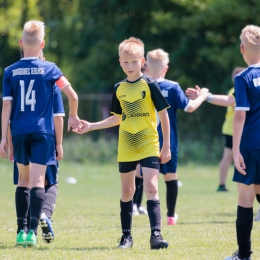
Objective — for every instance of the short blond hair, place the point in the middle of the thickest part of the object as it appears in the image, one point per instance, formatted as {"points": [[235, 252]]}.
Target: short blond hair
{"points": [[235, 71], [33, 33], [250, 37], [157, 60], [131, 46]]}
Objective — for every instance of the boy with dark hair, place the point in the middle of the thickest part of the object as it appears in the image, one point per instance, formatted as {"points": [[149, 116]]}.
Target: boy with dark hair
{"points": [[133, 107]]}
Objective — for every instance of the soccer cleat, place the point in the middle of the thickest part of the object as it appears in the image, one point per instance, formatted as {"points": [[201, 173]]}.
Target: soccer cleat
{"points": [[135, 210], [171, 221], [142, 211], [157, 242], [222, 188], [20, 238], [30, 240], [235, 256], [126, 241], [47, 231], [257, 217]]}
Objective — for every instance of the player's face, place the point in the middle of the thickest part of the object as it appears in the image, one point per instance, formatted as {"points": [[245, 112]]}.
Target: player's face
{"points": [[131, 65]]}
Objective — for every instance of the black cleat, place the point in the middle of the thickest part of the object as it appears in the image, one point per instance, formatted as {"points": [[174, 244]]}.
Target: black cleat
{"points": [[126, 241], [157, 241]]}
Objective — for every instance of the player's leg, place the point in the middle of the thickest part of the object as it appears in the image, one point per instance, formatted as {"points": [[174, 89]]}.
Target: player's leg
{"points": [[127, 175], [257, 196], [51, 190], [22, 201], [138, 196], [225, 163], [171, 180], [150, 168]]}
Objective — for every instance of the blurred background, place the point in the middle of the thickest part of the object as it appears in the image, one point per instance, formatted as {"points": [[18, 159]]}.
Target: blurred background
{"points": [[82, 37]]}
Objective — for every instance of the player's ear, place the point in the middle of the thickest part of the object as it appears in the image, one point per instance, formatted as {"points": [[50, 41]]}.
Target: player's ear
{"points": [[166, 69], [21, 43], [120, 62], [242, 48], [42, 44]]}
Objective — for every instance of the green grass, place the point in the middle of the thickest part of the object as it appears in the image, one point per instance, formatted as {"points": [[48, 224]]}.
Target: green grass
{"points": [[87, 224]]}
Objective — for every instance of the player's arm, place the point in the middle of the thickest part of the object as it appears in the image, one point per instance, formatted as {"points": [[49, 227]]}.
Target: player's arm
{"points": [[58, 126], [65, 87], [194, 104], [165, 154], [6, 112], [106, 123], [238, 125], [10, 144], [218, 100]]}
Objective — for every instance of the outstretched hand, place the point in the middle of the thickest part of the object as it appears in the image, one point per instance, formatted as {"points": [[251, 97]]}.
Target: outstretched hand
{"points": [[85, 127], [192, 93], [74, 123]]}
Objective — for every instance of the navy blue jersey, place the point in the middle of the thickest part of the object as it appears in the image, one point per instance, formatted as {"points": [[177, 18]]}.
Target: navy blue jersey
{"points": [[29, 83], [247, 94], [176, 98]]}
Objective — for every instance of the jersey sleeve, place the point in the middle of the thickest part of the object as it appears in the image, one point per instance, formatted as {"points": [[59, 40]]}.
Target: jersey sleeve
{"points": [[58, 108], [159, 101], [182, 100], [115, 106], [241, 94], [7, 90]]}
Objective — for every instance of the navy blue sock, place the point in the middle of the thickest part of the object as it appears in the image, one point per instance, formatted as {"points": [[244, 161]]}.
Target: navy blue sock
{"points": [[22, 202], [154, 213], [138, 191], [244, 225], [126, 216], [171, 196]]}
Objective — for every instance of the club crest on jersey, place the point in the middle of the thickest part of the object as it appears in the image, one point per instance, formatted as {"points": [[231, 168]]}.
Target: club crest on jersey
{"points": [[123, 116], [143, 94]]}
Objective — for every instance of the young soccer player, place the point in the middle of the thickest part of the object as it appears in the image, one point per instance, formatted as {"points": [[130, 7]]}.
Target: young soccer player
{"points": [[157, 62], [133, 107], [246, 141], [227, 128], [51, 178], [28, 103]]}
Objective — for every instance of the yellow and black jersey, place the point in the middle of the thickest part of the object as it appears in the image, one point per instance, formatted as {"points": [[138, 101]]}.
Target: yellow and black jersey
{"points": [[136, 103]]}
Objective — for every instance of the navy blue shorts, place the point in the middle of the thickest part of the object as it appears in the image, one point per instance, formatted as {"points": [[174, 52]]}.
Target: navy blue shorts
{"points": [[170, 166], [51, 175], [229, 141], [34, 148], [252, 162], [149, 162]]}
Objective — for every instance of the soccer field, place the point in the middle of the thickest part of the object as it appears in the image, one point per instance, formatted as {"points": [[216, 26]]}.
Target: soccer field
{"points": [[87, 224]]}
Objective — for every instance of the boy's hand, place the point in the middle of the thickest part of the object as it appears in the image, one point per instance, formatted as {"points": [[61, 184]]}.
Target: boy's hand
{"points": [[3, 148], [86, 127], [59, 152], [239, 162], [165, 155], [74, 123], [203, 92], [10, 153], [192, 93]]}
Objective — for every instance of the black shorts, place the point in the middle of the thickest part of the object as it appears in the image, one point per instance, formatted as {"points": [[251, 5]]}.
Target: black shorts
{"points": [[229, 141], [149, 162]]}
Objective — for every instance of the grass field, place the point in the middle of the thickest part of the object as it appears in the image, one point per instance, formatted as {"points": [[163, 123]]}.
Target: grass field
{"points": [[87, 224]]}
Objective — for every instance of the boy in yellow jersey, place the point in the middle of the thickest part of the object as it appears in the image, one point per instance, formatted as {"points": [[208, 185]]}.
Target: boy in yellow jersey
{"points": [[133, 107]]}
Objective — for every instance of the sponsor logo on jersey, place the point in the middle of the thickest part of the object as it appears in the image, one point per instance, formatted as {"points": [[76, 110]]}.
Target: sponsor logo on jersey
{"points": [[124, 116], [165, 93]]}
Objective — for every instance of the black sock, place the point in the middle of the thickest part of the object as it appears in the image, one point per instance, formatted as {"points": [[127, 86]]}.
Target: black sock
{"points": [[154, 213], [22, 202], [138, 191], [126, 216], [36, 204], [171, 196], [244, 226], [28, 219], [50, 199], [258, 197]]}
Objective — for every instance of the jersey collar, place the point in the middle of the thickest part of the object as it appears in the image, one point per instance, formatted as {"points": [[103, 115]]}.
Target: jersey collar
{"points": [[159, 80], [30, 58], [255, 65]]}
